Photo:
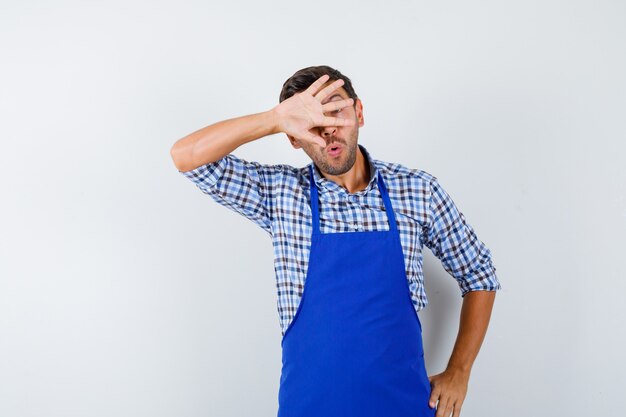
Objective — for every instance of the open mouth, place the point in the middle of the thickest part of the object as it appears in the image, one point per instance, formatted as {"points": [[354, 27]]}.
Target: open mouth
{"points": [[334, 150]]}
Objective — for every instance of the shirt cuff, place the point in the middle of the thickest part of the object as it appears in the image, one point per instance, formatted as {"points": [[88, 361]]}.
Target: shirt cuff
{"points": [[482, 279], [207, 175]]}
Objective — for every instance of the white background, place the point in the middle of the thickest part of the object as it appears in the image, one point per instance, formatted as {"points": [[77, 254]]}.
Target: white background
{"points": [[125, 291]]}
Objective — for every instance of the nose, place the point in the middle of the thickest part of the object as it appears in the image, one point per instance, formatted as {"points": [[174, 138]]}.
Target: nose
{"points": [[327, 131]]}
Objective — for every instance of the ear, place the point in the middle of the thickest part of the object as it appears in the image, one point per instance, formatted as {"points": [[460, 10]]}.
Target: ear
{"points": [[294, 142], [359, 112]]}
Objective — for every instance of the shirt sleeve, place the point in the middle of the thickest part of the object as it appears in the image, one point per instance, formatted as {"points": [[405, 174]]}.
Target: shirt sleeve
{"points": [[240, 185], [454, 242]]}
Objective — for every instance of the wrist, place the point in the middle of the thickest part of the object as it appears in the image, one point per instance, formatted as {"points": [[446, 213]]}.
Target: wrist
{"points": [[273, 120], [458, 369]]}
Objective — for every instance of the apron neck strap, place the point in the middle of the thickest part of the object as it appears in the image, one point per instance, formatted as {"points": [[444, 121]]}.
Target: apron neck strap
{"points": [[315, 202]]}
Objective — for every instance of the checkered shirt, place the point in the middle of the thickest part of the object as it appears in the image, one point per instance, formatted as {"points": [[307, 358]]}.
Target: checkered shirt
{"points": [[277, 198]]}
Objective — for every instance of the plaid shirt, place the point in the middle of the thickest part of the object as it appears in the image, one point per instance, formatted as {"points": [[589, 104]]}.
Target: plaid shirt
{"points": [[277, 198]]}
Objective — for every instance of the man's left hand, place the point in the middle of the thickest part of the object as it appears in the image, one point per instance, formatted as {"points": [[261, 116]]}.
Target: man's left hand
{"points": [[449, 388]]}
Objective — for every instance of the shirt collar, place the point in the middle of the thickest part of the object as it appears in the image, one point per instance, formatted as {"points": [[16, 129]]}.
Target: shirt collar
{"points": [[329, 184]]}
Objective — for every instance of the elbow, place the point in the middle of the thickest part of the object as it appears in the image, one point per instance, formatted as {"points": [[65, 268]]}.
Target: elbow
{"points": [[174, 155], [181, 162]]}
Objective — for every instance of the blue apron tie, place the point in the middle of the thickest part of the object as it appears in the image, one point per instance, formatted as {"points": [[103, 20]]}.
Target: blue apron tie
{"points": [[354, 346]]}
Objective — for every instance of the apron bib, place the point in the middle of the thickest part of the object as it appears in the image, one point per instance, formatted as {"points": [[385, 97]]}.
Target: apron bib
{"points": [[354, 346]]}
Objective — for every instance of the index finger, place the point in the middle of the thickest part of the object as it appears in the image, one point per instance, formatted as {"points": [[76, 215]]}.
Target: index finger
{"points": [[317, 84]]}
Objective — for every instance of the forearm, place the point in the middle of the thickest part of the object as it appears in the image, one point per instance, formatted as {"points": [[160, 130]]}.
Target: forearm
{"points": [[215, 141], [475, 315]]}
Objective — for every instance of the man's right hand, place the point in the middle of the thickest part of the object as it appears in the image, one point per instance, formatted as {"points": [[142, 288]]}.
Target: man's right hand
{"points": [[298, 115]]}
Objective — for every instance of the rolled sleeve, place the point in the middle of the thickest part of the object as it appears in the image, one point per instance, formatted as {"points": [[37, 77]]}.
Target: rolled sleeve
{"points": [[237, 184], [205, 176], [454, 242]]}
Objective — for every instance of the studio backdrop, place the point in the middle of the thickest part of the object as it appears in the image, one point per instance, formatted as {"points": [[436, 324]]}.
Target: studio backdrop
{"points": [[125, 291]]}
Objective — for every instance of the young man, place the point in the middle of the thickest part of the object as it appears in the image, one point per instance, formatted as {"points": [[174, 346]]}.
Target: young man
{"points": [[348, 231]]}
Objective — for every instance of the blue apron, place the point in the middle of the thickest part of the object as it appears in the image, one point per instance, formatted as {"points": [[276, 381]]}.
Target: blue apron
{"points": [[354, 346]]}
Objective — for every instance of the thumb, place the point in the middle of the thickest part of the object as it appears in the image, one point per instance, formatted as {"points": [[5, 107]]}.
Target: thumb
{"points": [[316, 139]]}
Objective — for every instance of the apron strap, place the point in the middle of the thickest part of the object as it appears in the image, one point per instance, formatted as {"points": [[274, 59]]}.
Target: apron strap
{"points": [[391, 217]]}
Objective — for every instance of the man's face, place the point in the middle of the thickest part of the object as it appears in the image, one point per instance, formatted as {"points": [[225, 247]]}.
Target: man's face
{"points": [[344, 138]]}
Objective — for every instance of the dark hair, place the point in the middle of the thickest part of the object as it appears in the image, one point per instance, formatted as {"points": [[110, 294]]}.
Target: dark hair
{"points": [[303, 78]]}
